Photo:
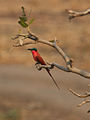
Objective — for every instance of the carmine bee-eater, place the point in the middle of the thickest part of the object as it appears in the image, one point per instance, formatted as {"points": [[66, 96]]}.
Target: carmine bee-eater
{"points": [[40, 60]]}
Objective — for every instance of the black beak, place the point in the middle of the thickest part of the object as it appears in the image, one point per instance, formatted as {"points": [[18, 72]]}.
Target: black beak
{"points": [[29, 49]]}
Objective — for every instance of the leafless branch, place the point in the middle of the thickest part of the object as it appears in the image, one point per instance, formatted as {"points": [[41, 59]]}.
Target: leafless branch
{"points": [[84, 102], [69, 67], [81, 96], [78, 95], [39, 66], [19, 45], [73, 14]]}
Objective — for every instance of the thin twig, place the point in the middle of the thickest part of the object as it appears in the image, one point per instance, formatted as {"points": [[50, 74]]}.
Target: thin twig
{"points": [[78, 95], [84, 102], [81, 96], [39, 66], [27, 43], [73, 14]]}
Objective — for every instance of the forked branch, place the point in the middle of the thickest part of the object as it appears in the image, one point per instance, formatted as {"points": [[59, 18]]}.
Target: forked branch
{"points": [[84, 102], [78, 95], [39, 66], [69, 66], [81, 96], [73, 14]]}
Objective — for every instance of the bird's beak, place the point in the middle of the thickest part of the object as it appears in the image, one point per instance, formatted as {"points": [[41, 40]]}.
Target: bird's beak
{"points": [[29, 49]]}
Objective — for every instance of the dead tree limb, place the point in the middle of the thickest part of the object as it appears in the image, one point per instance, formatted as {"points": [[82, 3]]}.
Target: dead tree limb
{"points": [[81, 96], [39, 66], [72, 14], [78, 95], [69, 66], [84, 102]]}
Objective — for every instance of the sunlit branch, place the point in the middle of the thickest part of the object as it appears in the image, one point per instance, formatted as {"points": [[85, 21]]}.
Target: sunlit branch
{"points": [[73, 14], [69, 67]]}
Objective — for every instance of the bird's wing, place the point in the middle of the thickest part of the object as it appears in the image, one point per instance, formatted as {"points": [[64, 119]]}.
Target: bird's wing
{"points": [[40, 60]]}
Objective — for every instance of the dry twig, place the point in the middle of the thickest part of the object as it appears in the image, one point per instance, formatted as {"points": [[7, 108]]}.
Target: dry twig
{"points": [[39, 66], [73, 14], [81, 96], [84, 102], [78, 95]]}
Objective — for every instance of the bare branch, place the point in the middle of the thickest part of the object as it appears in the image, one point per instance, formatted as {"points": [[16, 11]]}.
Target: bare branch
{"points": [[78, 95], [73, 70], [80, 72], [61, 67], [39, 66], [27, 43], [81, 96], [20, 35], [68, 61], [84, 102], [73, 14]]}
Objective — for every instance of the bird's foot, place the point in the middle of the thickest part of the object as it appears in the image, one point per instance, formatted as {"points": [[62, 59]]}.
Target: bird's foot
{"points": [[36, 63], [51, 65], [38, 66]]}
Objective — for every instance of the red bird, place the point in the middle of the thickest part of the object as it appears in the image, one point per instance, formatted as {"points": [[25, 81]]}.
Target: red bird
{"points": [[40, 60]]}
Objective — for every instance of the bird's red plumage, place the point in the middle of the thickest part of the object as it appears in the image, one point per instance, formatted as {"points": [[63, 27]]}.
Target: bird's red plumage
{"points": [[38, 58]]}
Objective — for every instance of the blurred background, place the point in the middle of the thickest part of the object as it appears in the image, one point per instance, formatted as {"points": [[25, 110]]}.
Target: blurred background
{"points": [[26, 93]]}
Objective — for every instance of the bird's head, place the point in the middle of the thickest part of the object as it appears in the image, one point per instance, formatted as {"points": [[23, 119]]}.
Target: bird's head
{"points": [[32, 49]]}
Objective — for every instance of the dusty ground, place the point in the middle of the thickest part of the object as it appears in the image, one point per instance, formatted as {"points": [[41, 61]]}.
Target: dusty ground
{"points": [[26, 93]]}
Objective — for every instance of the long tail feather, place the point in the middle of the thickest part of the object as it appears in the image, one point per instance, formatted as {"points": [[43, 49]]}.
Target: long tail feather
{"points": [[53, 79]]}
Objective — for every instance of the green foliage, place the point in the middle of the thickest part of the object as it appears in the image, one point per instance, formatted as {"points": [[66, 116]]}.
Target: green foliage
{"points": [[23, 11], [23, 20], [12, 114], [31, 21], [52, 41], [23, 24]]}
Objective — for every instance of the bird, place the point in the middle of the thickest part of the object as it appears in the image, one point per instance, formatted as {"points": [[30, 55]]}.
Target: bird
{"points": [[39, 60]]}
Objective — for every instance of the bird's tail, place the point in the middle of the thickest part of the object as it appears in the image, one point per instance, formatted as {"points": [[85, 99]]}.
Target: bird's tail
{"points": [[52, 78]]}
